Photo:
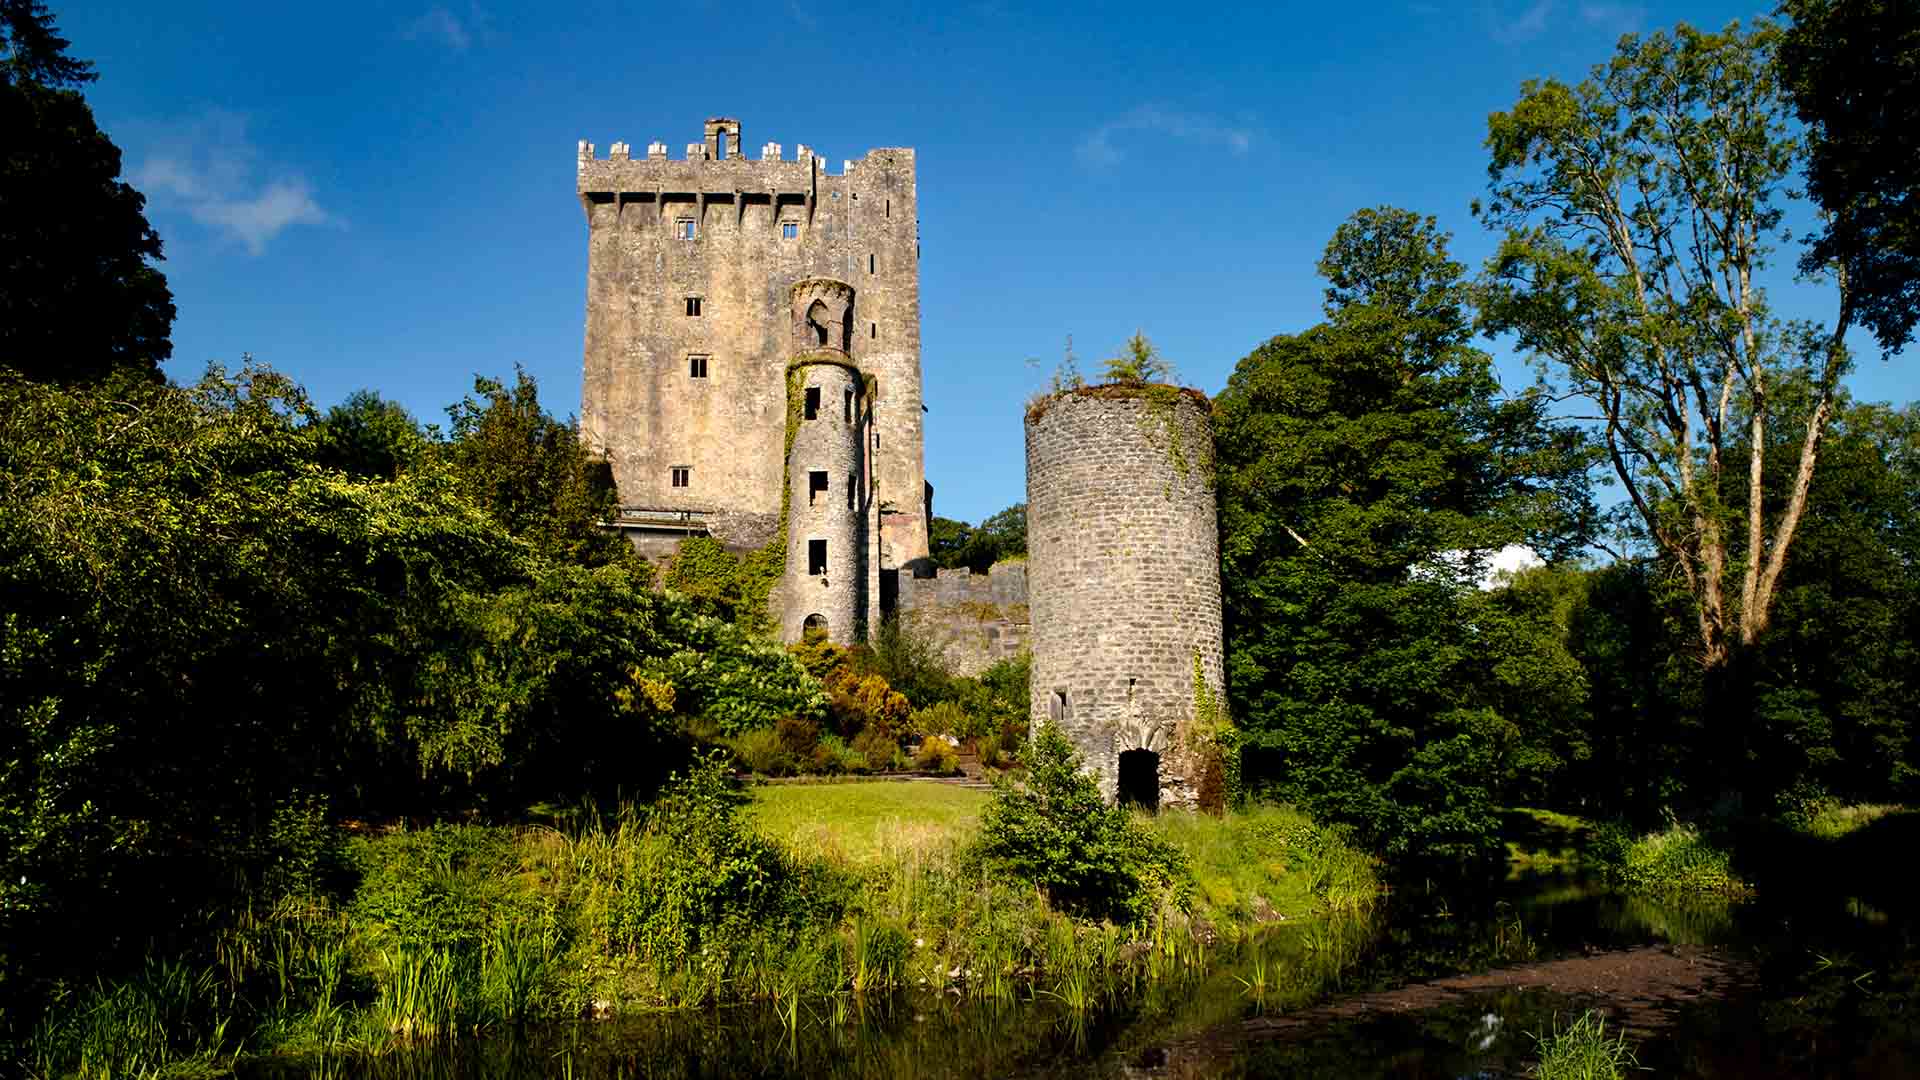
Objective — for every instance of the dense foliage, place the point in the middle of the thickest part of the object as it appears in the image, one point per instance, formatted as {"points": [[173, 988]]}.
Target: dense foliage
{"points": [[1853, 70], [977, 547], [1368, 467], [1055, 831]]}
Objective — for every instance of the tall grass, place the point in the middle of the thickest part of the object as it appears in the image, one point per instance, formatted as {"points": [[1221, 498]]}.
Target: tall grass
{"points": [[168, 1016], [1584, 1051]]}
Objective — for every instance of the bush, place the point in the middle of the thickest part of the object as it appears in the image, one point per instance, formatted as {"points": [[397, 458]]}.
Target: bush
{"points": [[941, 718], [1677, 861], [937, 755], [762, 751], [1057, 832]]}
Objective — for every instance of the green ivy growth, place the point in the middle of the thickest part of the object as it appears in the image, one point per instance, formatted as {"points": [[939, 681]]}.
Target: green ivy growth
{"points": [[1215, 743]]}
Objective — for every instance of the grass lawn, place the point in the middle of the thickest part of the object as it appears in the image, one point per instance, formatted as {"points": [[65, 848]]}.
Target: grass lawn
{"points": [[864, 822]]}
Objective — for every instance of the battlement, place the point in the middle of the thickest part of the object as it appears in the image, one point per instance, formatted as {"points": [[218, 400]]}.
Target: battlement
{"points": [[715, 164]]}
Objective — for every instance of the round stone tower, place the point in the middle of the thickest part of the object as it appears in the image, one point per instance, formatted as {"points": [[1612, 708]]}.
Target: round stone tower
{"points": [[1123, 576], [826, 576]]}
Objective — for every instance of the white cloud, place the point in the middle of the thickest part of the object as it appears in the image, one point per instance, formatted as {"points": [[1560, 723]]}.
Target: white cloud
{"points": [[1529, 24], [1619, 18], [208, 169], [1098, 147], [442, 25]]}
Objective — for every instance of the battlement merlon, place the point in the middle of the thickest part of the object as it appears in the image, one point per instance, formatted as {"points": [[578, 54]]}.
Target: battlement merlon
{"points": [[620, 172]]}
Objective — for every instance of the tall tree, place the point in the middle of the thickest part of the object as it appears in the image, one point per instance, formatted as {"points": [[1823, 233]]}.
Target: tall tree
{"points": [[1366, 469], [79, 296], [533, 474], [1853, 68], [1637, 207]]}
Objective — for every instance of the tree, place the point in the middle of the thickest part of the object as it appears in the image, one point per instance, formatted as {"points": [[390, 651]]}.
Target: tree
{"points": [[1637, 207], [1853, 69], [1137, 362], [1367, 467], [533, 474], [368, 436], [78, 294], [1001, 536]]}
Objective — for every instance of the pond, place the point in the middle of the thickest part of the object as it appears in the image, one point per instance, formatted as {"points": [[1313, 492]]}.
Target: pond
{"points": [[1811, 985]]}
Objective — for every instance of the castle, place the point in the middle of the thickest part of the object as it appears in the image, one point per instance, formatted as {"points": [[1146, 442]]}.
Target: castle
{"points": [[753, 374], [752, 366]]}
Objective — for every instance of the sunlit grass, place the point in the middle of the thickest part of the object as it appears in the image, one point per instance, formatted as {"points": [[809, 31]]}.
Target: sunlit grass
{"points": [[1833, 822], [865, 822]]}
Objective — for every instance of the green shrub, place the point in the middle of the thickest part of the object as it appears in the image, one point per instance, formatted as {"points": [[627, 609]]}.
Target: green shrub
{"points": [[432, 889], [833, 756], [940, 718], [762, 751], [937, 755], [1057, 832], [1676, 861]]}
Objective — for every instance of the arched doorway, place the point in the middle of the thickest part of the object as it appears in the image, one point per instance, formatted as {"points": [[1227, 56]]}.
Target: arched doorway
{"points": [[814, 627], [1140, 779]]}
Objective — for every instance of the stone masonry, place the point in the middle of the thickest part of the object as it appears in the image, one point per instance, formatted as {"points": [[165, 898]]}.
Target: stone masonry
{"points": [[971, 620], [692, 271], [1123, 574]]}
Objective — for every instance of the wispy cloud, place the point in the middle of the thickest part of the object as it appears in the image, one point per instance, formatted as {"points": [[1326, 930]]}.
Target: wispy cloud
{"points": [[1101, 146], [440, 25], [210, 171], [1510, 29], [1619, 18]]}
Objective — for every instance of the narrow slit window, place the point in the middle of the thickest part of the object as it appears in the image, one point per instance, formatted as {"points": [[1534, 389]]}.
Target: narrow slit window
{"points": [[813, 403], [870, 264], [789, 230], [693, 306], [849, 400], [696, 367], [682, 474], [889, 207], [850, 479], [1059, 708], [873, 330], [686, 228], [816, 557], [816, 486]]}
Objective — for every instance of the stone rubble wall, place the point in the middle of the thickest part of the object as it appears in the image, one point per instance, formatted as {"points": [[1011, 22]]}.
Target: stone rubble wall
{"points": [[972, 620]]}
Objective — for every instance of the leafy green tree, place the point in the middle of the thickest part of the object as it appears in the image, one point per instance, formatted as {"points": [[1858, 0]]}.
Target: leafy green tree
{"points": [[1138, 361], [948, 542], [533, 474], [370, 437], [1001, 536], [1367, 467], [1058, 833], [1853, 70], [1637, 208], [79, 296]]}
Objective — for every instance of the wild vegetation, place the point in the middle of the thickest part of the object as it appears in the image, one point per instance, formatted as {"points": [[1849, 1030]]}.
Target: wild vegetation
{"points": [[333, 728]]}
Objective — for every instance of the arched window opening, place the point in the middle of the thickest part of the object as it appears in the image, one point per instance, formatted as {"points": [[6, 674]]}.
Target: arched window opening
{"points": [[1140, 779], [817, 322]]}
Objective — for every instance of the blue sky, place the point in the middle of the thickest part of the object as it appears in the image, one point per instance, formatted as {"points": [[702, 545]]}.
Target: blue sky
{"points": [[382, 196]]}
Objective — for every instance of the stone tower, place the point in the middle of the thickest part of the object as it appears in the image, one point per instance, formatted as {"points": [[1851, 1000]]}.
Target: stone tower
{"points": [[695, 272], [1123, 576]]}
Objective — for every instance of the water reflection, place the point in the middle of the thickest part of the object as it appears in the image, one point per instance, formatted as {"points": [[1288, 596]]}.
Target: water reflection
{"points": [[1247, 1014]]}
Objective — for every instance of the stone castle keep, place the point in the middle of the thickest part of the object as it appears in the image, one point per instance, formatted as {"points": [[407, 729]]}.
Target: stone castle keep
{"points": [[752, 374], [753, 359]]}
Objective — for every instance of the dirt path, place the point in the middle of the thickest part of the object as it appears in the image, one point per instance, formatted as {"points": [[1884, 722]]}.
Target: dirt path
{"points": [[1641, 988]]}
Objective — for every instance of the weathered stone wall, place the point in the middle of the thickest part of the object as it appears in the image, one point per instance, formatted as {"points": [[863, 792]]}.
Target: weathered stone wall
{"points": [[1123, 571], [831, 443], [641, 403], [971, 619]]}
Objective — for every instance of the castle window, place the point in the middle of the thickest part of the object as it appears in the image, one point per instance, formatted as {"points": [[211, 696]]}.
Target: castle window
{"points": [[850, 482], [680, 475], [816, 557], [1059, 708], [813, 403], [849, 406], [870, 264], [696, 367], [693, 305], [873, 330], [686, 228], [889, 207], [816, 484], [789, 230]]}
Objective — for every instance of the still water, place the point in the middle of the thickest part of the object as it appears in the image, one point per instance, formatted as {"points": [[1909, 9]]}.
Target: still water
{"points": [[1829, 993]]}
